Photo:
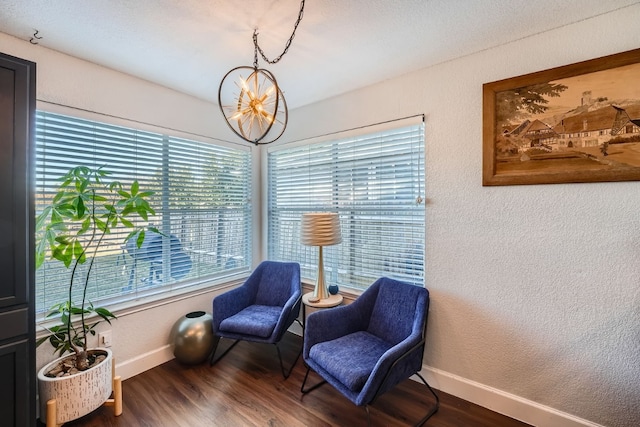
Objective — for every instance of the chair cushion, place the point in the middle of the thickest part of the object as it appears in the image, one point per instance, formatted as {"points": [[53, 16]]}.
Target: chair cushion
{"points": [[394, 312], [351, 358], [256, 320], [276, 283]]}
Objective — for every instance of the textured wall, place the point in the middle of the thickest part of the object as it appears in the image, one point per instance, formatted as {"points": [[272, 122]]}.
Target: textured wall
{"points": [[536, 289]]}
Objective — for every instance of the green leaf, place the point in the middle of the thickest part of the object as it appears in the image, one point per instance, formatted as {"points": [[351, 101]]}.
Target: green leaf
{"points": [[143, 213], [41, 247], [140, 239], [83, 185], [42, 218], [127, 210], [134, 188], [56, 217], [130, 235], [74, 310], [155, 230], [102, 226], [146, 206], [85, 225], [78, 250], [80, 208], [62, 253], [41, 340], [68, 255], [63, 240], [104, 313], [52, 314], [50, 236]]}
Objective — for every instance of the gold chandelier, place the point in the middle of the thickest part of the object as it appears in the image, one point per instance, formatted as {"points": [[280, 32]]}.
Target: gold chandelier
{"points": [[250, 99]]}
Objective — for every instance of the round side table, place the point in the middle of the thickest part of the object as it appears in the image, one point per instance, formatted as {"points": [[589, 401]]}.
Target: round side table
{"points": [[332, 301]]}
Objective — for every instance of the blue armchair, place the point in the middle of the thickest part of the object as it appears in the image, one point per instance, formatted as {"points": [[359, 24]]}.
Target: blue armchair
{"points": [[261, 310], [365, 348]]}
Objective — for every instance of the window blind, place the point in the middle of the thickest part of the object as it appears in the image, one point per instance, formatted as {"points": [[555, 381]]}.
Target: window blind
{"points": [[375, 183], [201, 199]]}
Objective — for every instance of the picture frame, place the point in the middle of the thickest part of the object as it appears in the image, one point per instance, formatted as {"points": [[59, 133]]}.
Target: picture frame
{"points": [[574, 123]]}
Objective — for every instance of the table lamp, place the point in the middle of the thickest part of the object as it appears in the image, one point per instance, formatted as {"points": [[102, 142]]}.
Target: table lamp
{"points": [[320, 229]]}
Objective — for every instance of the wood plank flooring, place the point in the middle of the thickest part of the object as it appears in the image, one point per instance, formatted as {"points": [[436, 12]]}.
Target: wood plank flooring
{"points": [[246, 388]]}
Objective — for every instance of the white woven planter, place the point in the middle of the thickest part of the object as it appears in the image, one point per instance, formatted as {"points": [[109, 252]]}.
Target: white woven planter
{"points": [[78, 394]]}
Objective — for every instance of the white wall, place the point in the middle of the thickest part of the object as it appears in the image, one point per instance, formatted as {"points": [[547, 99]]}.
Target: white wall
{"points": [[535, 289]]}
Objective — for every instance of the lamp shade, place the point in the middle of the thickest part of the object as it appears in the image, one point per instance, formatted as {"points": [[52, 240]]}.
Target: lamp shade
{"points": [[320, 229]]}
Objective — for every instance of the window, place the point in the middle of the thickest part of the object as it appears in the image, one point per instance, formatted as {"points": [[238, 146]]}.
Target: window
{"points": [[202, 201], [375, 183]]}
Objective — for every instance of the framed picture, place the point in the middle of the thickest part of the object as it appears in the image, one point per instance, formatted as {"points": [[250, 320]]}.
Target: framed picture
{"points": [[576, 123]]}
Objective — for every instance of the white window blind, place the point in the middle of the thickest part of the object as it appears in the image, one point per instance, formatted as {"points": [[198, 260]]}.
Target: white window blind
{"points": [[201, 200], [375, 182]]}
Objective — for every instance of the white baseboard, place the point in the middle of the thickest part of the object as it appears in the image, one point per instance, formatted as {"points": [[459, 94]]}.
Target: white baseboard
{"points": [[513, 406], [137, 365]]}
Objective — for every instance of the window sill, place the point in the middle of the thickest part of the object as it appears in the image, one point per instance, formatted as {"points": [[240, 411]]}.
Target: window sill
{"points": [[127, 308]]}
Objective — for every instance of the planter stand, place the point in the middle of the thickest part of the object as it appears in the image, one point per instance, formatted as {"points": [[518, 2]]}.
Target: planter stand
{"points": [[115, 401]]}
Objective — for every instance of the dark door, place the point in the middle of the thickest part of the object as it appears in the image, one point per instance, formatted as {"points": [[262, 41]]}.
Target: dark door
{"points": [[17, 316]]}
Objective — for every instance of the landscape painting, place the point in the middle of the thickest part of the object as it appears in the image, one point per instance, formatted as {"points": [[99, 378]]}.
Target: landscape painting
{"points": [[576, 123]]}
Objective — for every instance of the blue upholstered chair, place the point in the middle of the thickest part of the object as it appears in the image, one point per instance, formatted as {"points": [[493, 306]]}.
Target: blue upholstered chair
{"points": [[367, 347], [260, 310]]}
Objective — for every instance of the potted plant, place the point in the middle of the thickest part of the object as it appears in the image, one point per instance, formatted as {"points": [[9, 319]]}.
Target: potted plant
{"points": [[86, 207]]}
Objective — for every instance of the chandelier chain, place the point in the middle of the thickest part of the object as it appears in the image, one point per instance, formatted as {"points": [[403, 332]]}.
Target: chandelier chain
{"points": [[257, 48]]}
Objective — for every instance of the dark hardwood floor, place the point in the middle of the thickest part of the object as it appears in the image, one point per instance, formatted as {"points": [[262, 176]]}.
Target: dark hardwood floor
{"points": [[246, 388]]}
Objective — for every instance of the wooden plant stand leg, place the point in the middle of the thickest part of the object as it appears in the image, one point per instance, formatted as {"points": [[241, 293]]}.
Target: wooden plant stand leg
{"points": [[52, 413], [116, 401]]}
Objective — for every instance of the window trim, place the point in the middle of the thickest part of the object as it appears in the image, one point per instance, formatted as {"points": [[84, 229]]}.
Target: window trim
{"points": [[199, 287]]}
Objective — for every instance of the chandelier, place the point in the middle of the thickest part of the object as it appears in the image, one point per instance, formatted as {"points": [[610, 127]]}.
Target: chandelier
{"points": [[250, 99]]}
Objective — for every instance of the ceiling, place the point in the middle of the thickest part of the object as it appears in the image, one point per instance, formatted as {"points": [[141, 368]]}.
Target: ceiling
{"points": [[340, 45]]}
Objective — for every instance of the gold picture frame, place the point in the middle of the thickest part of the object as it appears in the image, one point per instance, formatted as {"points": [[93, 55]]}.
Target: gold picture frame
{"points": [[575, 123]]}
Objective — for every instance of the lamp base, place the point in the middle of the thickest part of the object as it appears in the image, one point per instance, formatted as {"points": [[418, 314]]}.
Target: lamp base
{"points": [[320, 291]]}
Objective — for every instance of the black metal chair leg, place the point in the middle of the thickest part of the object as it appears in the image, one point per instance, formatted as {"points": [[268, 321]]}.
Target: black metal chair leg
{"points": [[436, 406], [216, 341], [302, 389], [213, 352], [366, 407], [432, 411], [285, 373]]}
